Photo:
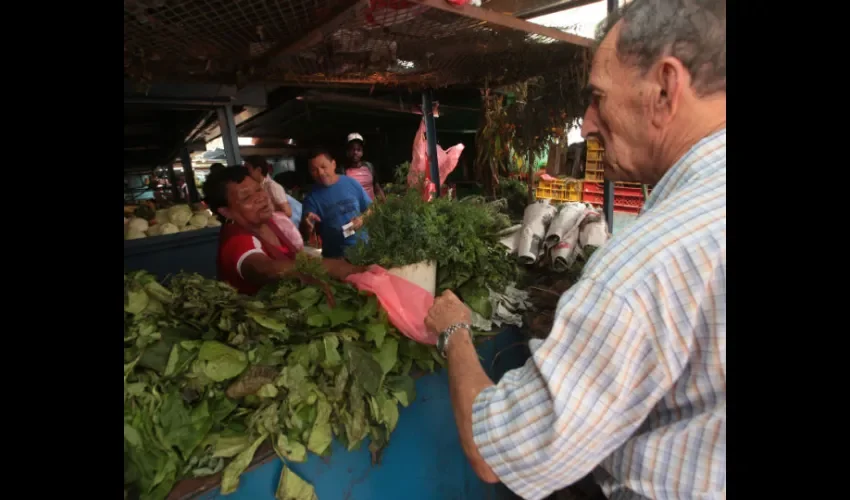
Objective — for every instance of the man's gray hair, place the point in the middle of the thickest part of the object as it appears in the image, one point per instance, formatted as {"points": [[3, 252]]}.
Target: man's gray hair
{"points": [[692, 31]]}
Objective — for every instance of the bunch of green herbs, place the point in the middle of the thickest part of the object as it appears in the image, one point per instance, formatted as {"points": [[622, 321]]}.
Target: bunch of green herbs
{"points": [[462, 237]]}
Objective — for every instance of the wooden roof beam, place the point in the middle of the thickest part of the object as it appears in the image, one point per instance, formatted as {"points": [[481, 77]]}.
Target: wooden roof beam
{"points": [[507, 21]]}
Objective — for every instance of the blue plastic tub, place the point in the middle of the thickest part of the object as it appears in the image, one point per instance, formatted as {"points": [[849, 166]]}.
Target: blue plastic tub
{"points": [[192, 251]]}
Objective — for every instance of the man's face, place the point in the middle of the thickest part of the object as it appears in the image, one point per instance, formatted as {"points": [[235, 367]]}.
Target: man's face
{"points": [[355, 151], [248, 203], [619, 112], [323, 170]]}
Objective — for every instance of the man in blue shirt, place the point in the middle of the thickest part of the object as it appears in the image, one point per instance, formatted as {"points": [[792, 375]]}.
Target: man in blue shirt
{"points": [[334, 202]]}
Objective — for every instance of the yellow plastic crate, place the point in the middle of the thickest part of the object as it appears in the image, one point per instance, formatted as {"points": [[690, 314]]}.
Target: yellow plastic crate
{"points": [[559, 190], [595, 155], [593, 144]]}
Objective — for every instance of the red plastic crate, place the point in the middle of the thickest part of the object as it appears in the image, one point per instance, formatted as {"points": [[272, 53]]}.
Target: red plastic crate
{"points": [[626, 199]]}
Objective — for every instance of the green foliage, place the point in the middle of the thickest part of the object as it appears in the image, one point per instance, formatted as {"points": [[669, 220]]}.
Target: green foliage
{"points": [[460, 236], [210, 375]]}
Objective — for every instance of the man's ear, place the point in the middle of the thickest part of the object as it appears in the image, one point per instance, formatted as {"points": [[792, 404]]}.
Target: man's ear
{"points": [[671, 80], [225, 212]]}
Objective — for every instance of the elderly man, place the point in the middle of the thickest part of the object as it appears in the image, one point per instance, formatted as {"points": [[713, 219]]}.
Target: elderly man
{"points": [[631, 382]]}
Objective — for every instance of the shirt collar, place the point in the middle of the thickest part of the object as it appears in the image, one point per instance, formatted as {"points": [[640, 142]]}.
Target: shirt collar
{"points": [[705, 157]]}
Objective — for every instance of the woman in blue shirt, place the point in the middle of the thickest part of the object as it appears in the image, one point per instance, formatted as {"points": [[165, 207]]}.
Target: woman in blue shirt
{"points": [[335, 201]]}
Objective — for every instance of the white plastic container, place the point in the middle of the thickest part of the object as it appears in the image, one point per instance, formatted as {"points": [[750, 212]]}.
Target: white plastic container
{"points": [[422, 273]]}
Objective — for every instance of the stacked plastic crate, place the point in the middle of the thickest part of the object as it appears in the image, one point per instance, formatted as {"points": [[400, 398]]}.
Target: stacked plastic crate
{"points": [[628, 196]]}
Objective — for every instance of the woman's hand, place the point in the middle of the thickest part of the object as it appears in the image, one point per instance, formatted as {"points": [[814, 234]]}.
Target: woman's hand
{"points": [[341, 269], [357, 222]]}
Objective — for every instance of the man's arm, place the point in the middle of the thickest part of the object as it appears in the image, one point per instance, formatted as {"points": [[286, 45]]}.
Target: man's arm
{"points": [[466, 377], [581, 395]]}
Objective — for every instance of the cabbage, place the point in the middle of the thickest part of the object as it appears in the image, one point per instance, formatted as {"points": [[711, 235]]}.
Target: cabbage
{"points": [[161, 216], [134, 234], [179, 215], [164, 228], [189, 228], [168, 228], [213, 222], [200, 219], [137, 224]]}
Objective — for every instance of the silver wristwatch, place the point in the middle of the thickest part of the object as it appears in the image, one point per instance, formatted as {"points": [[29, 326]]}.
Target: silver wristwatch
{"points": [[443, 339]]}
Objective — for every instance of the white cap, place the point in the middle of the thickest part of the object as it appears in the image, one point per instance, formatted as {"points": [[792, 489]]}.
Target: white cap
{"points": [[354, 136]]}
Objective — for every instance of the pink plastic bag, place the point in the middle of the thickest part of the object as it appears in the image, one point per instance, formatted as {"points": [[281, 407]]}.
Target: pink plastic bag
{"points": [[406, 303], [419, 168]]}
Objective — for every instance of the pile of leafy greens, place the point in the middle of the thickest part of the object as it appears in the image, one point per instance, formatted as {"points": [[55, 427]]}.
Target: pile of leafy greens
{"points": [[210, 375], [462, 237]]}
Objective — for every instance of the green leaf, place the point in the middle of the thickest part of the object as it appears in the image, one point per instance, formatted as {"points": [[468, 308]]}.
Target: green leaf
{"points": [[389, 410], [388, 355], [340, 314], [369, 309], [292, 487], [273, 324], [365, 370], [320, 438], [375, 332], [131, 435], [306, 297], [267, 391], [230, 477], [221, 362], [332, 357], [318, 319], [290, 449], [403, 389], [231, 446], [181, 427]]}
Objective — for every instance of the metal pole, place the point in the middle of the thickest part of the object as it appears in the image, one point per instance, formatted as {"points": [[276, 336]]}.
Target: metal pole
{"points": [[608, 186], [189, 174], [431, 131], [227, 126]]}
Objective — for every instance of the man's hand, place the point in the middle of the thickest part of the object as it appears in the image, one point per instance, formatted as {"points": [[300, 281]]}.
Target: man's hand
{"points": [[446, 311], [357, 222], [310, 221]]}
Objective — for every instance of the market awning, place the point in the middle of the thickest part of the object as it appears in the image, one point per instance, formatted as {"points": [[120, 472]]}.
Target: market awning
{"points": [[364, 42]]}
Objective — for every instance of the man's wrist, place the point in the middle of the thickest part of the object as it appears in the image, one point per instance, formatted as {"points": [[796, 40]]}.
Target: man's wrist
{"points": [[447, 336], [461, 336]]}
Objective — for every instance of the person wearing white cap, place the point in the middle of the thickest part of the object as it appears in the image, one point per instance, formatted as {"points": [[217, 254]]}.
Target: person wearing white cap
{"points": [[361, 171]]}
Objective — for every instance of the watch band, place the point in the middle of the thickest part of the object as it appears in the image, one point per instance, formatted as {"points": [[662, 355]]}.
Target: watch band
{"points": [[443, 340]]}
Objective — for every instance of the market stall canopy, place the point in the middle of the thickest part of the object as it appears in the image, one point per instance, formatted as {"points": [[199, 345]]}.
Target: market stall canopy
{"points": [[366, 42], [161, 118]]}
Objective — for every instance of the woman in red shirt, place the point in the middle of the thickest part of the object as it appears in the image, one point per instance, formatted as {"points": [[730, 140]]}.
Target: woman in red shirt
{"points": [[254, 248]]}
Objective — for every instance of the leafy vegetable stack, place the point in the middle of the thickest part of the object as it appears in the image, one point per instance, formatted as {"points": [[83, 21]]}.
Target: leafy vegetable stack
{"points": [[210, 375], [461, 236]]}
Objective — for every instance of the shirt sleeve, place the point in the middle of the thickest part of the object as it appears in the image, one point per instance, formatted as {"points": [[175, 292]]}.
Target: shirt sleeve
{"points": [[237, 248], [581, 395], [277, 192]]}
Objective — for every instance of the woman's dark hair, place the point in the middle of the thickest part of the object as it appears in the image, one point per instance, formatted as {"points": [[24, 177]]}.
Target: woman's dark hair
{"points": [[216, 167], [258, 161], [215, 188]]}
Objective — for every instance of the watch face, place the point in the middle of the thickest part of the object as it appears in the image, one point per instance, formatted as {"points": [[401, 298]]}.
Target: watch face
{"points": [[441, 343]]}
